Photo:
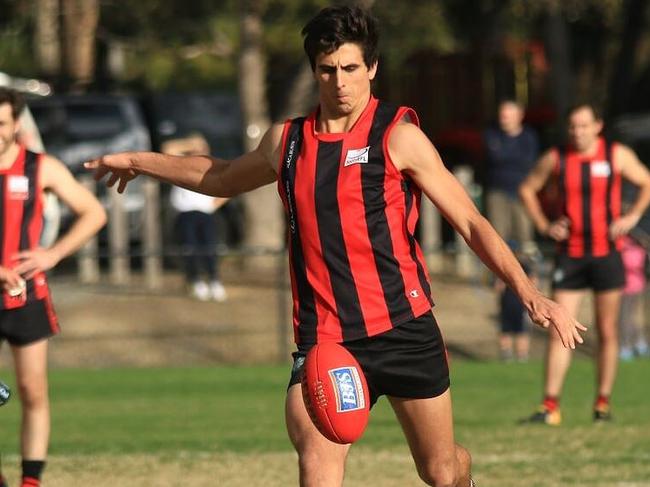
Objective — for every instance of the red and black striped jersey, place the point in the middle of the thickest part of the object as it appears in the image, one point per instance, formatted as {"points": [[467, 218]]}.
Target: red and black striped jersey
{"points": [[356, 268], [21, 221], [591, 196]]}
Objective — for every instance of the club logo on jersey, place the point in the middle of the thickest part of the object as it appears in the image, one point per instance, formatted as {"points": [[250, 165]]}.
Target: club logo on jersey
{"points": [[356, 156], [600, 169], [18, 187], [348, 389]]}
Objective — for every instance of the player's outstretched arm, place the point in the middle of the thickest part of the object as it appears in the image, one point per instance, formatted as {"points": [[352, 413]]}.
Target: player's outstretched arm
{"points": [[90, 217], [204, 174], [413, 153]]}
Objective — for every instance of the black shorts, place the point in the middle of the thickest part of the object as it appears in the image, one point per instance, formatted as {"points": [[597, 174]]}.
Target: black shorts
{"points": [[30, 323], [409, 361], [597, 273]]}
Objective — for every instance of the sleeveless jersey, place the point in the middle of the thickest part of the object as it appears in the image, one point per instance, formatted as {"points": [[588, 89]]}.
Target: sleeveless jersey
{"points": [[591, 196], [21, 221], [356, 268]]}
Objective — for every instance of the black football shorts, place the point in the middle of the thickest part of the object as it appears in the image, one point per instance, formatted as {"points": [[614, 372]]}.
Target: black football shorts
{"points": [[30, 323], [597, 273], [408, 361]]}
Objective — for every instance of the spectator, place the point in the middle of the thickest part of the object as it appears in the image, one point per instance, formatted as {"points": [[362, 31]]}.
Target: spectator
{"points": [[511, 151], [195, 226]]}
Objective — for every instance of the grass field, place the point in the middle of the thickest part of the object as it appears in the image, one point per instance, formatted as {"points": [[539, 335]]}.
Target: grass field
{"points": [[224, 426]]}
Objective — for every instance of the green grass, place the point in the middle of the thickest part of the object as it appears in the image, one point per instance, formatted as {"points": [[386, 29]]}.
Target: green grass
{"points": [[240, 410]]}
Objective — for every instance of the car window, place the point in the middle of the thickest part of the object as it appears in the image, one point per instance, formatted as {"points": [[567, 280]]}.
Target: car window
{"points": [[98, 121]]}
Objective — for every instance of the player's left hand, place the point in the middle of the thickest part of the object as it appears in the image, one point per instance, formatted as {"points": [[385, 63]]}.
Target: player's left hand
{"points": [[621, 226], [546, 313], [31, 262]]}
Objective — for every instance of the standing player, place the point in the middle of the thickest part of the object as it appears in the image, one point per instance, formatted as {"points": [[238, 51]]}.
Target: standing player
{"points": [[350, 176], [589, 172], [27, 318]]}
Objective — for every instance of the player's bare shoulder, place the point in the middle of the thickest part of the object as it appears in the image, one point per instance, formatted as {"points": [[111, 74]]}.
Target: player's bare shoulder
{"points": [[52, 171], [623, 156], [271, 145], [407, 144]]}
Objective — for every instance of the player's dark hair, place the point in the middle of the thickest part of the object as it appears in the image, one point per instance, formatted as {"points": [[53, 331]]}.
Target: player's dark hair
{"points": [[595, 109], [334, 26], [15, 99]]}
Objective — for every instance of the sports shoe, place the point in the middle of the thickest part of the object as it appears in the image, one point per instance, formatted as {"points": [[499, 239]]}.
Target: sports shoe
{"points": [[544, 415], [602, 413], [200, 290], [217, 291]]}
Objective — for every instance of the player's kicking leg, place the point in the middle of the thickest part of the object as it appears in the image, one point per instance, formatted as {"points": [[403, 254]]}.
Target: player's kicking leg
{"points": [[321, 462], [428, 426]]}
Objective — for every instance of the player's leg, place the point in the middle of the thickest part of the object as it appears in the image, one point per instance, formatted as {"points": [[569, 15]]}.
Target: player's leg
{"points": [[428, 427], [558, 357], [31, 379], [607, 305], [321, 462]]}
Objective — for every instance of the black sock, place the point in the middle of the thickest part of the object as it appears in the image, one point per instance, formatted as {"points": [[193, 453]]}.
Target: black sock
{"points": [[33, 468]]}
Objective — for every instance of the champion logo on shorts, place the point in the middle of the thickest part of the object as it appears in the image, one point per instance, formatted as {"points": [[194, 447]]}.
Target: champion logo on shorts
{"points": [[558, 275], [347, 388], [356, 156], [414, 293]]}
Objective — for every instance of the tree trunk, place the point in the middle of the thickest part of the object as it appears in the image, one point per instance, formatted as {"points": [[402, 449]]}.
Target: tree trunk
{"points": [[80, 19], [46, 37], [623, 76], [264, 222], [556, 39]]}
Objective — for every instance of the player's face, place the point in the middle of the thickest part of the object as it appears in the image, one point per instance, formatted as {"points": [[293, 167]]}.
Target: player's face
{"points": [[510, 117], [584, 128], [343, 79], [8, 128]]}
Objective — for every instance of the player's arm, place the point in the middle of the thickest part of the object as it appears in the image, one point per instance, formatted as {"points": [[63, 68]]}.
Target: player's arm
{"points": [[413, 154], [528, 190], [201, 173], [90, 217], [633, 170]]}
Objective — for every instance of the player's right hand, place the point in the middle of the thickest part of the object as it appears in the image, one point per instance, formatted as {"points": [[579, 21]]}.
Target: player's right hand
{"points": [[11, 281], [559, 229], [119, 166]]}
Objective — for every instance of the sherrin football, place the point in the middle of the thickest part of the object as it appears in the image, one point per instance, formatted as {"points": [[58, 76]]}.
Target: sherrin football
{"points": [[335, 393]]}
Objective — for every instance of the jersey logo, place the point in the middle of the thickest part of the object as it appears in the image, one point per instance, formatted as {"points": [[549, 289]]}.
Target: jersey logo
{"points": [[600, 169], [18, 187], [356, 156]]}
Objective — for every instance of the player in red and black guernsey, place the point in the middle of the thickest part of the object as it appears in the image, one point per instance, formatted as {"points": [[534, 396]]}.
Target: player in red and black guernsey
{"points": [[27, 318], [588, 171], [350, 175]]}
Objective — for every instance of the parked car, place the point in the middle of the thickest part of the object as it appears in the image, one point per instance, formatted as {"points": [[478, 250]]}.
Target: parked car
{"points": [[77, 128]]}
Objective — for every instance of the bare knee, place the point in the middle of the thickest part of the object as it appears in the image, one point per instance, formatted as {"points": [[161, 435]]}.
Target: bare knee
{"points": [[33, 395], [440, 474]]}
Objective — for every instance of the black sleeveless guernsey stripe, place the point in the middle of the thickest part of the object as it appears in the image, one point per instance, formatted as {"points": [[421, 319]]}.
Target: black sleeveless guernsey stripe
{"points": [[356, 268], [21, 221], [591, 195]]}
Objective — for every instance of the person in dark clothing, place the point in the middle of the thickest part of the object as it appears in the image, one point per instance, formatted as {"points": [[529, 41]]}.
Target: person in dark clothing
{"points": [[512, 149]]}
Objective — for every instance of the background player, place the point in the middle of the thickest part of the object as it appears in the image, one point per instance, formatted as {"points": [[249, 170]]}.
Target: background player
{"points": [[27, 317]]}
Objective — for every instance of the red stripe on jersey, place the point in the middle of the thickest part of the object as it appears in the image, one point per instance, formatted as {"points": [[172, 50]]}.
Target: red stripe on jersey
{"points": [[573, 192], [13, 216]]}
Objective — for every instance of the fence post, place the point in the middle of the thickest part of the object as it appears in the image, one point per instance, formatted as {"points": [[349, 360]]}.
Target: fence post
{"points": [[87, 258], [151, 238], [465, 175], [118, 239]]}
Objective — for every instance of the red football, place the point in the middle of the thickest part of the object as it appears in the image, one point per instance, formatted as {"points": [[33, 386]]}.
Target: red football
{"points": [[335, 393]]}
